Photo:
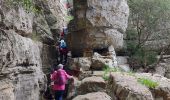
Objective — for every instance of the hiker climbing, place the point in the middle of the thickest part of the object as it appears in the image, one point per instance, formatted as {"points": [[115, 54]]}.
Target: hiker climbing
{"points": [[63, 50], [63, 33], [58, 81]]}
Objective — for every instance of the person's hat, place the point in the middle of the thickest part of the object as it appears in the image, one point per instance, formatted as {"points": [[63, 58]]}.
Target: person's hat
{"points": [[60, 66]]}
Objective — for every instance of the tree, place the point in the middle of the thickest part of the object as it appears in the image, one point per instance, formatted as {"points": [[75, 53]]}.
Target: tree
{"points": [[148, 22]]}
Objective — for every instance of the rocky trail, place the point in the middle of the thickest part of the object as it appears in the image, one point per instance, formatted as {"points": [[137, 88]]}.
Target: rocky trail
{"points": [[94, 31]]}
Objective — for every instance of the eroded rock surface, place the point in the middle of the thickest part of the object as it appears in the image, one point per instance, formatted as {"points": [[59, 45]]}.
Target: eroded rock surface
{"points": [[22, 58], [126, 87], [21, 75]]}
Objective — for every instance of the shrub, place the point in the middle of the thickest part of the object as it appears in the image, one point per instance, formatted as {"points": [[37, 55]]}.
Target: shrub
{"points": [[147, 82]]}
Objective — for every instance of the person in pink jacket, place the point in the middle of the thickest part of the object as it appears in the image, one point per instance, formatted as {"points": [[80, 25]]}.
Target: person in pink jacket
{"points": [[59, 85]]}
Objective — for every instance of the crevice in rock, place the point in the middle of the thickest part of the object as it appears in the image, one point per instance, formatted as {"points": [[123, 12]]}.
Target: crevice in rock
{"points": [[101, 51]]}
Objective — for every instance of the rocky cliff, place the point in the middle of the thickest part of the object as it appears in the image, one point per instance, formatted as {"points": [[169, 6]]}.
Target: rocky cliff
{"points": [[21, 67], [26, 47]]}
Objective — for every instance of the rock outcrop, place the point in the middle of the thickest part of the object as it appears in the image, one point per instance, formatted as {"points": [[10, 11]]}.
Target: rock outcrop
{"points": [[127, 87], [98, 24]]}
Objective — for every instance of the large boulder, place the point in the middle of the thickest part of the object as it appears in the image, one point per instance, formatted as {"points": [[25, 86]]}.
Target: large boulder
{"points": [[93, 96], [91, 84], [126, 87], [99, 24]]}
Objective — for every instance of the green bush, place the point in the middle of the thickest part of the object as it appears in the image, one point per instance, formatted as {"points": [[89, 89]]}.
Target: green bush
{"points": [[139, 55], [147, 82]]}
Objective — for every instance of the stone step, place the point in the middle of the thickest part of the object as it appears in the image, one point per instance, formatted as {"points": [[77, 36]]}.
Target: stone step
{"points": [[122, 60]]}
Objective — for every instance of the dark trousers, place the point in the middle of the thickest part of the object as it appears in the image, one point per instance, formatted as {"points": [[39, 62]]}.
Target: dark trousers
{"points": [[59, 94], [63, 58]]}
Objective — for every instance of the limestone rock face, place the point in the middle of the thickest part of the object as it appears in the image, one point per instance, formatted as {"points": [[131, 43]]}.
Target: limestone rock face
{"points": [[126, 87], [58, 16], [20, 67], [22, 60], [43, 26], [111, 13], [94, 96], [99, 24], [17, 19]]}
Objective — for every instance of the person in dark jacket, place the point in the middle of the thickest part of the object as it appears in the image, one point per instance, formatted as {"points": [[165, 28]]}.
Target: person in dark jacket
{"points": [[63, 51]]}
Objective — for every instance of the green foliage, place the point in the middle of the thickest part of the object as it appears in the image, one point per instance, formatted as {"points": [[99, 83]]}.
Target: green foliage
{"points": [[28, 5], [146, 19], [105, 75], [147, 82], [131, 34], [144, 56], [69, 18]]}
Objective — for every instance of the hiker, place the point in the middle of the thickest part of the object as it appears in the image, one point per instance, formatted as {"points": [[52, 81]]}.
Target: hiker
{"points": [[63, 51], [64, 32], [59, 79]]}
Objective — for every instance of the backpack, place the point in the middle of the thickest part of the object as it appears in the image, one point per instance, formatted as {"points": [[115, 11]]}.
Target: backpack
{"points": [[63, 44], [60, 79]]}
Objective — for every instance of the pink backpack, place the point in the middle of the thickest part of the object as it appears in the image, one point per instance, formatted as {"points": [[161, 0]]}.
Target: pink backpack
{"points": [[60, 78]]}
